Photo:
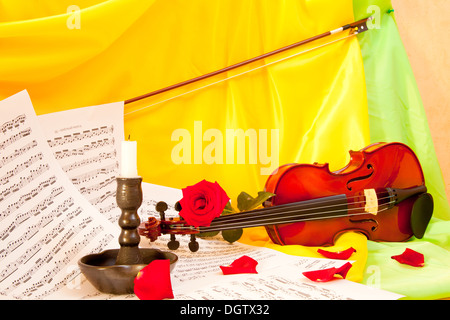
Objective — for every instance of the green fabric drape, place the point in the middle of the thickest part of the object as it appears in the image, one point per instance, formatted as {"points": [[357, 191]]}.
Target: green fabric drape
{"points": [[396, 113]]}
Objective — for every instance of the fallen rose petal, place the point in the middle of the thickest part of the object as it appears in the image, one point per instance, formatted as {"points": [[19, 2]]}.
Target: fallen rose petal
{"points": [[320, 275], [341, 255], [153, 281], [343, 270], [244, 264], [325, 275], [410, 257]]}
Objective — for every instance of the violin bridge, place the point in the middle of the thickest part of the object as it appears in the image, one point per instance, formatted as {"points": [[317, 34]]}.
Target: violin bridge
{"points": [[371, 205]]}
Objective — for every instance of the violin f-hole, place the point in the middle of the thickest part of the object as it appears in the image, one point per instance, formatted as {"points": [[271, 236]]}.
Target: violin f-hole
{"points": [[370, 167], [373, 221]]}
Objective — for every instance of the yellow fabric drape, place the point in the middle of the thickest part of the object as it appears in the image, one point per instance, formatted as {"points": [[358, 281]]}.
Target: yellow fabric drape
{"points": [[313, 106]]}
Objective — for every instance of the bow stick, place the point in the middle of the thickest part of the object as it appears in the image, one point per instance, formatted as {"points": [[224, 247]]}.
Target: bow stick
{"points": [[359, 26]]}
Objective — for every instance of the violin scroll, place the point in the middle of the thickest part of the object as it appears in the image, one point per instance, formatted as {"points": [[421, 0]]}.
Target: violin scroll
{"points": [[153, 228], [150, 229]]}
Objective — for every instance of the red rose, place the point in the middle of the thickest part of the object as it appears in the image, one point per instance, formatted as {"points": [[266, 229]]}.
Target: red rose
{"points": [[202, 202]]}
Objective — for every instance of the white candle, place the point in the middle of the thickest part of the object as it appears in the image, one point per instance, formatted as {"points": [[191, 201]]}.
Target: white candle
{"points": [[128, 165]]}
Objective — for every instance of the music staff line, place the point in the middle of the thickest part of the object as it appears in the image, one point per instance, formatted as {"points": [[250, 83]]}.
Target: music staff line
{"points": [[78, 136], [81, 151], [15, 138], [5, 194], [20, 167], [83, 178], [76, 272], [28, 196], [17, 153], [103, 197], [40, 207], [85, 162], [68, 256], [103, 184], [31, 231], [45, 240], [14, 123]]}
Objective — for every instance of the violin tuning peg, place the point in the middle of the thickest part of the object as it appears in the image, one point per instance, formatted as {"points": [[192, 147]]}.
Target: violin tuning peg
{"points": [[178, 206], [173, 244], [161, 207], [193, 244]]}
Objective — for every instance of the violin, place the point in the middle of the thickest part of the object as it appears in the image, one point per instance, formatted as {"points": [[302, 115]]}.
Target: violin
{"points": [[380, 193]]}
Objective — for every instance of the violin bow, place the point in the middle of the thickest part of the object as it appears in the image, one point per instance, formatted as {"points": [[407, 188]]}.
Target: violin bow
{"points": [[357, 26]]}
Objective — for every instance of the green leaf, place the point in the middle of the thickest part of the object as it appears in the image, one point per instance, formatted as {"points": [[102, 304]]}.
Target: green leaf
{"points": [[207, 234], [228, 209], [246, 202], [232, 235]]}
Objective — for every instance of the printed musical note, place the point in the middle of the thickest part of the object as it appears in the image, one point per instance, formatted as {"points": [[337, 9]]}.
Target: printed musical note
{"points": [[14, 138], [20, 167], [78, 136], [94, 145], [14, 123], [88, 161], [23, 181], [17, 153], [83, 178]]}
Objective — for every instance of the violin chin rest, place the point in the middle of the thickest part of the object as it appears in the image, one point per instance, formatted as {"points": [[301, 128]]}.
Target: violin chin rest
{"points": [[421, 213]]}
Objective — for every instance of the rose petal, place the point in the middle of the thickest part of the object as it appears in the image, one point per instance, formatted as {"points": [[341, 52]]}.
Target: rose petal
{"points": [[199, 204], [325, 275], [341, 255], [222, 195], [320, 275], [153, 281], [244, 264], [410, 257], [343, 270]]}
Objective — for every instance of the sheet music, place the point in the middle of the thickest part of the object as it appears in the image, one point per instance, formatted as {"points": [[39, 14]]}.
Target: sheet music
{"points": [[198, 276], [86, 143], [152, 194], [45, 224]]}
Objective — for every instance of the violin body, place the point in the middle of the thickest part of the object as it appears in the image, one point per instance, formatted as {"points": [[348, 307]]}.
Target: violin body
{"points": [[380, 165]]}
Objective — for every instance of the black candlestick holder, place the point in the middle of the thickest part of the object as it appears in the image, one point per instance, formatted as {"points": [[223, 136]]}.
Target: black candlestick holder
{"points": [[113, 271], [129, 199]]}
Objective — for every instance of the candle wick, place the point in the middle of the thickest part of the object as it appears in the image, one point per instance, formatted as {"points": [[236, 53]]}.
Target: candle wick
{"points": [[129, 137]]}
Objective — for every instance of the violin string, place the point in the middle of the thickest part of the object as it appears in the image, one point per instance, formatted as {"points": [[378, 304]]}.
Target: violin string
{"points": [[303, 203], [266, 212], [281, 214], [265, 222], [287, 219], [274, 218], [258, 223]]}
